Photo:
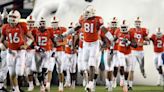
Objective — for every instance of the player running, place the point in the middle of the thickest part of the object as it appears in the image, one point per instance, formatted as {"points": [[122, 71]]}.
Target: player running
{"points": [[90, 26], [158, 43], [13, 37]]}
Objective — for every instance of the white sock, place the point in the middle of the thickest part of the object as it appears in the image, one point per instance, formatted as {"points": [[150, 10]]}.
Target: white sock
{"points": [[68, 77], [16, 88], [1, 85], [114, 78], [130, 83], [125, 82], [161, 77], [60, 84], [31, 83], [121, 77], [110, 83], [48, 84], [107, 81], [73, 82]]}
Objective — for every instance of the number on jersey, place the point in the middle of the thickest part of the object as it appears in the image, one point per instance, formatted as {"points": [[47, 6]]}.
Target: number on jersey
{"points": [[42, 41], [159, 43], [88, 27], [14, 38]]}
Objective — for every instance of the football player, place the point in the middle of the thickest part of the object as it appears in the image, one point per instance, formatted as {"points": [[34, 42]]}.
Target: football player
{"points": [[71, 56], [3, 63], [90, 25], [158, 43], [57, 31], [12, 37], [80, 62], [139, 34], [124, 54], [45, 62], [114, 29], [30, 57]]}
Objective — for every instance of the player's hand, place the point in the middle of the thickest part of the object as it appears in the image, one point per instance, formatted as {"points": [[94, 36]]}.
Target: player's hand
{"points": [[39, 49], [24, 47]]}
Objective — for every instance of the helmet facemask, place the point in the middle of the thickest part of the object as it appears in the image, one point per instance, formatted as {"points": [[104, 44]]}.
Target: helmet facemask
{"points": [[159, 33], [55, 25], [113, 24], [137, 24], [42, 25], [124, 29]]}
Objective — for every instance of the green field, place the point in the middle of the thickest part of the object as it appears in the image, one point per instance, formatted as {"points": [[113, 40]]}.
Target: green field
{"points": [[102, 89]]}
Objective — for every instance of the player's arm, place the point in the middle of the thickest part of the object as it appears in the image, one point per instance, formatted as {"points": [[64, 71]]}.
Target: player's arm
{"points": [[3, 43], [29, 41], [146, 38], [72, 30]]}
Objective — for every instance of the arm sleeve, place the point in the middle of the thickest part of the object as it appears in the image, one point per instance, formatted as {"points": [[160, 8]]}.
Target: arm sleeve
{"points": [[24, 27], [3, 32]]}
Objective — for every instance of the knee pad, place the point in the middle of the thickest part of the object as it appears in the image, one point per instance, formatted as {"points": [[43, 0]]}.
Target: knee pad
{"points": [[115, 68], [65, 73], [160, 70], [122, 70]]}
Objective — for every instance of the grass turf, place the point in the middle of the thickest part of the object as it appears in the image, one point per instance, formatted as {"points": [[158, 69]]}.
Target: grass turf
{"points": [[102, 89]]}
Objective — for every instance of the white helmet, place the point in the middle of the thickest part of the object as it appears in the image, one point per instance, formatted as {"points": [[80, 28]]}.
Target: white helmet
{"points": [[114, 23], [137, 22], [89, 12], [124, 27], [30, 21], [13, 17], [159, 33], [55, 22], [42, 22]]}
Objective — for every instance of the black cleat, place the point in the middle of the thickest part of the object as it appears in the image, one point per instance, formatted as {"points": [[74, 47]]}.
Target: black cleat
{"points": [[130, 88]]}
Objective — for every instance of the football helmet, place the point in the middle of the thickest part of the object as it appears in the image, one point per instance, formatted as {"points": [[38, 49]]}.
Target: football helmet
{"points": [[13, 17], [55, 22], [89, 12], [137, 22], [159, 33], [114, 23], [30, 21], [124, 27]]}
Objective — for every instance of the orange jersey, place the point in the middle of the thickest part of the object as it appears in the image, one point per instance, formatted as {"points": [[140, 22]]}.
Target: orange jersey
{"points": [[15, 35], [138, 35], [69, 46], [43, 39], [121, 45], [158, 43], [56, 33], [90, 28]]}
